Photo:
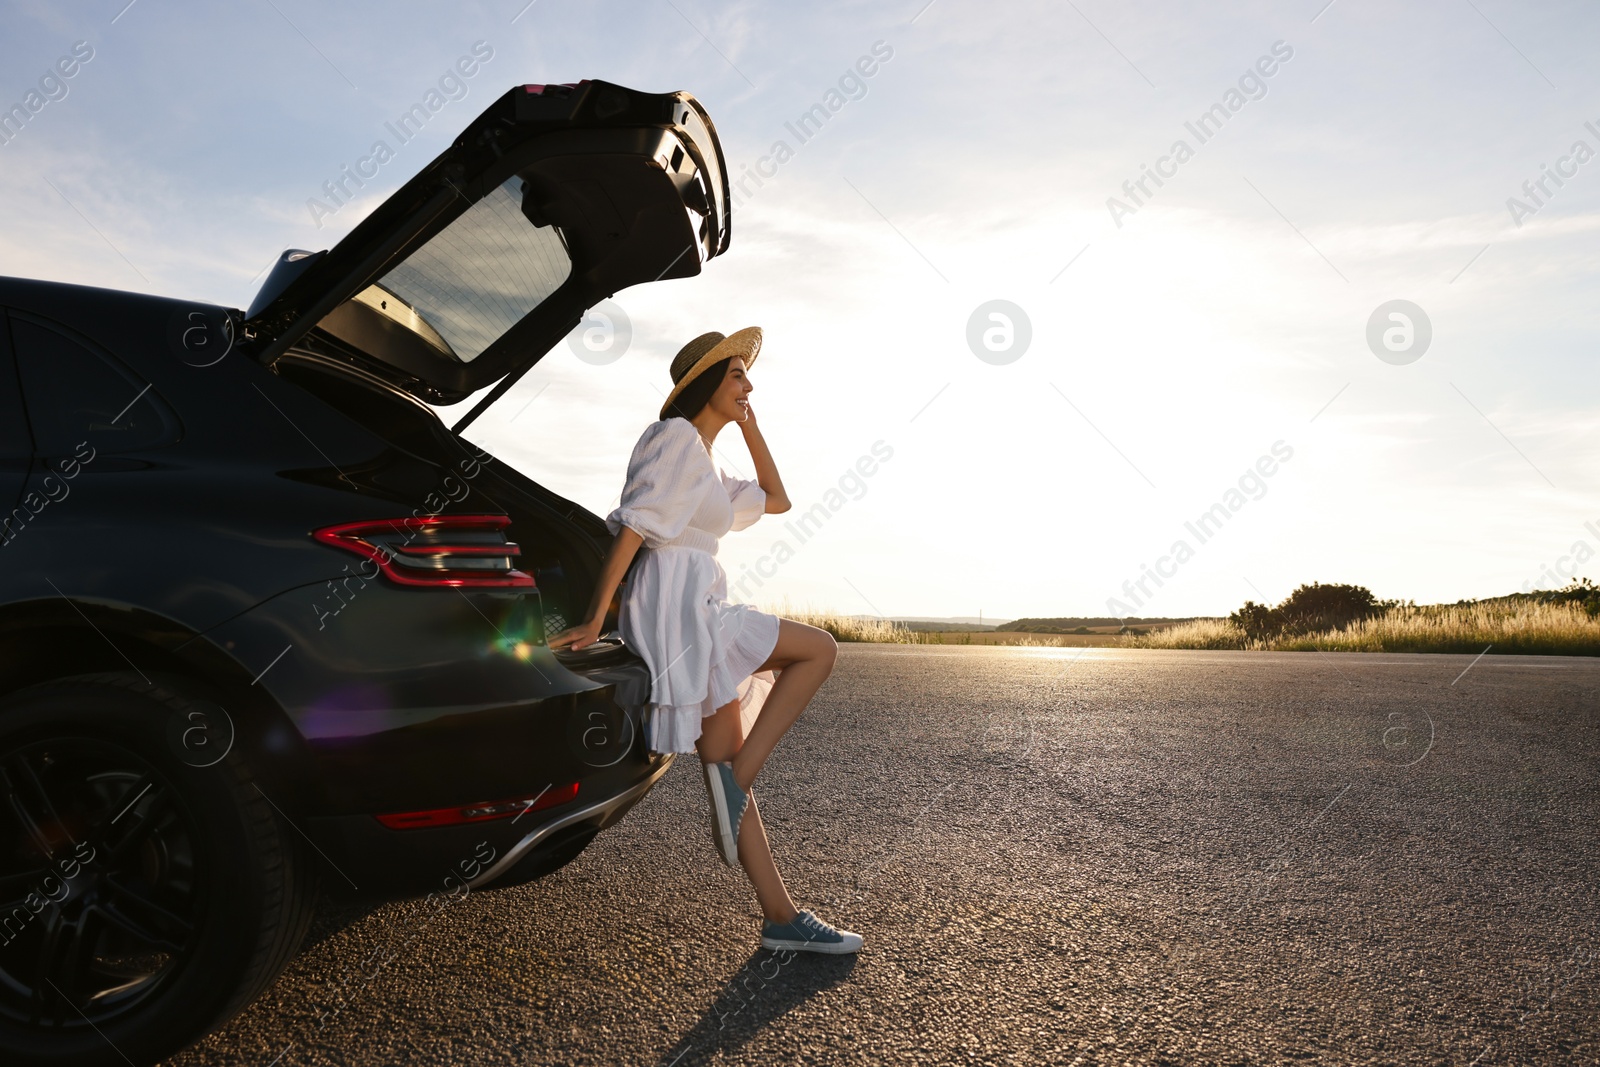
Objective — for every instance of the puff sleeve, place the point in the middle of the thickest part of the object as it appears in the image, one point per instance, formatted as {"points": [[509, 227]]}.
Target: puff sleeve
{"points": [[665, 482], [749, 500]]}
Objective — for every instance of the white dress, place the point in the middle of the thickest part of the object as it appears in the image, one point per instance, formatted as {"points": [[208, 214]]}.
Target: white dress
{"points": [[701, 649]]}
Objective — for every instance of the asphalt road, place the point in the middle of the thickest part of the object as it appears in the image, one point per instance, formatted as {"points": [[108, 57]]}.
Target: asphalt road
{"points": [[1055, 856]]}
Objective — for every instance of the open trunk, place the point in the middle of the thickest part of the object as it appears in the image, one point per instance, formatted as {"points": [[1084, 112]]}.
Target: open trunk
{"points": [[553, 199]]}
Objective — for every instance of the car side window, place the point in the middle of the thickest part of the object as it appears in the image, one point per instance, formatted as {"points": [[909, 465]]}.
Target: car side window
{"points": [[15, 442], [76, 394]]}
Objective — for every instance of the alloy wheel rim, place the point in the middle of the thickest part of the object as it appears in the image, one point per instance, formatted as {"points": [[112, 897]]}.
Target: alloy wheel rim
{"points": [[85, 943]]}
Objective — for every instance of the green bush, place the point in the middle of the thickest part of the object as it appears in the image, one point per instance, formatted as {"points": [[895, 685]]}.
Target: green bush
{"points": [[1309, 609], [1581, 592]]}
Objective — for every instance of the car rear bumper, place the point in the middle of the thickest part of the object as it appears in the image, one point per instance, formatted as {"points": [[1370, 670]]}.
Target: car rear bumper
{"points": [[420, 701], [375, 861], [597, 815], [410, 699]]}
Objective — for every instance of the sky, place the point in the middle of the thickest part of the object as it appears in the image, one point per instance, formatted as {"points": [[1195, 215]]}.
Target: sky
{"points": [[1220, 343]]}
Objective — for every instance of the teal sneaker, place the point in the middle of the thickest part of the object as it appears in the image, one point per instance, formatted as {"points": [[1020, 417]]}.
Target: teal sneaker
{"points": [[807, 933], [728, 802]]}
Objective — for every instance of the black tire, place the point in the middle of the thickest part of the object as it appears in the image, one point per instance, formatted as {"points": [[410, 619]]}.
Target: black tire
{"points": [[132, 941]]}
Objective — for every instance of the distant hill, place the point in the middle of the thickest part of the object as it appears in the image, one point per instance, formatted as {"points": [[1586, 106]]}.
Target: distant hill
{"points": [[940, 623], [955, 620], [943, 626], [971, 623], [1067, 625]]}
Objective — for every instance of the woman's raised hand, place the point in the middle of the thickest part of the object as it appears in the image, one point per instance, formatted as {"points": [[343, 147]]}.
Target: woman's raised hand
{"points": [[579, 636]]}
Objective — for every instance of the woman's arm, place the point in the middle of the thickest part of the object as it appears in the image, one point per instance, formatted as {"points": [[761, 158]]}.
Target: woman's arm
{"points": [[766, 469], [621, 553]]}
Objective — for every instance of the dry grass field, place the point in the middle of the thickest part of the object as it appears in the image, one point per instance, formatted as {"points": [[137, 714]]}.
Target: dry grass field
{"points": [[1509, 627], [850, 628], [1012, 637]]}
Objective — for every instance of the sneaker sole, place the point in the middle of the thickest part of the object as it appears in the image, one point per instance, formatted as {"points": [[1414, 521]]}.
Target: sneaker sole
{"points": [[728, 845], [843, 948]]}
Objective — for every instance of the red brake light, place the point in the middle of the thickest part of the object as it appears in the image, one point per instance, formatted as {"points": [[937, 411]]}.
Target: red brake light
{"points": [[440, 551], [498, 809]]}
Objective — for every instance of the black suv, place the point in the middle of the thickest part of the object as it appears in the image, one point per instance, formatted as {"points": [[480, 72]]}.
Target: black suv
{"points": [[267, 622]]}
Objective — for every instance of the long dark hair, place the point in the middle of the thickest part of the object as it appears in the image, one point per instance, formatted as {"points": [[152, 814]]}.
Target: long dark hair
{"points": [[698, 393]]}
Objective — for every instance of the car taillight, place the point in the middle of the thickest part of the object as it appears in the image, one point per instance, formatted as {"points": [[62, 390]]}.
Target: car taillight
{"points": [[441, 551], [467, 813]]}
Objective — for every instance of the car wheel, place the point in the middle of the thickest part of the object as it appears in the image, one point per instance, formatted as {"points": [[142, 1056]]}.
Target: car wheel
{"points": [[146, 894]]}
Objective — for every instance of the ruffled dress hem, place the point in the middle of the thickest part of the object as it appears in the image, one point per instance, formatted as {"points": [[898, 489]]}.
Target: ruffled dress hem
{"points": [[676, 728]]}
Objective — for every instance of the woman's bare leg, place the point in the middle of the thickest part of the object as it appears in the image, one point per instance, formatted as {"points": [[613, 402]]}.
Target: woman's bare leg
{"points": [[756, 855], [720, 741], [804, 657]]}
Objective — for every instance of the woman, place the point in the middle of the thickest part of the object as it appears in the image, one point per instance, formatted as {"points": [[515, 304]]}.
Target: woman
{"points": [[710, 659]]}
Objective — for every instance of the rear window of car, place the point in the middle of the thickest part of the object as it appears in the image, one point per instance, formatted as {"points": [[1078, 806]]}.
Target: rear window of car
{"points": [[478, 277]]}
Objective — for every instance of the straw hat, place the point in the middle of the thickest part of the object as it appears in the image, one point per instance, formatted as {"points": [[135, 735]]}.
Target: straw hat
{"points": [[698, 356]]}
